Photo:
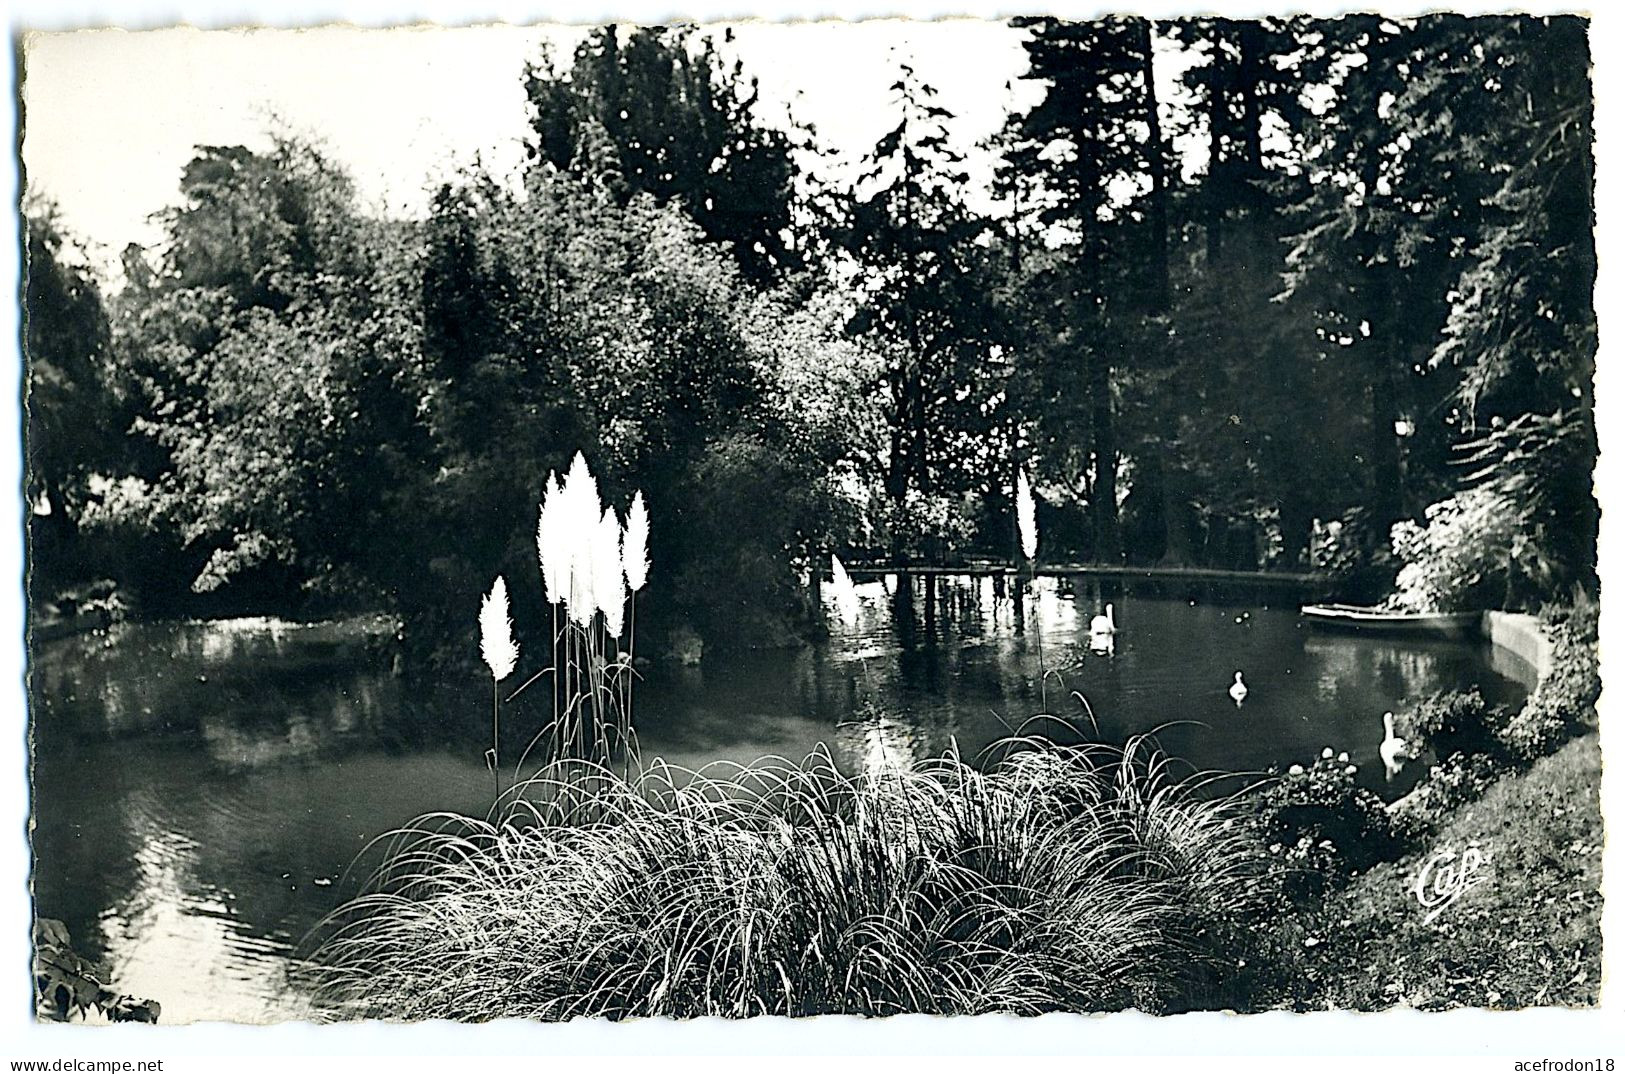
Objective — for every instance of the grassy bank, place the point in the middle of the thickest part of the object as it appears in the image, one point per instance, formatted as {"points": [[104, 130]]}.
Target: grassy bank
{"points": [[1517, 790], [1528, 935], [1062, 879]]}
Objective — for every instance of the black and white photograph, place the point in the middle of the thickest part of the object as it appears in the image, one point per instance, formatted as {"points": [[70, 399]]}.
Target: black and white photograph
{"points": [[1063, 513]]}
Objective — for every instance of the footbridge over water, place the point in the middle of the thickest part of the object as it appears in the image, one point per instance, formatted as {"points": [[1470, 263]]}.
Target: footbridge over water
{"points": [[1282, 584]]}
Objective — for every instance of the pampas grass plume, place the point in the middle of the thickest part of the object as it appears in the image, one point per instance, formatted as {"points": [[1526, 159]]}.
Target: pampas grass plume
{"points": [[581, 513], [608, 582], [497, 644], [1026, 517], [844, 592], [553, 556], [635, 548], [579, 546]]}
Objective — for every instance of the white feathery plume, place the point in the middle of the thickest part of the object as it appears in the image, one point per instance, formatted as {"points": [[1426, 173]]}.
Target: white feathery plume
{"points": [[581, 521], [543, 532], [580, 478], [635, 547], [844, 592], [1026, 516], [497, 646], [550, 552], [608, 582]]}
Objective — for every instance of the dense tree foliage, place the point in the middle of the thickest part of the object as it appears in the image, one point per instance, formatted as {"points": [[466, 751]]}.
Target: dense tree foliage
{"points": [[70, 396], [680, 124], [265, 348], [1329, 304], [1520, 332], [1087, 142], [922, 296], [1365, 180]]}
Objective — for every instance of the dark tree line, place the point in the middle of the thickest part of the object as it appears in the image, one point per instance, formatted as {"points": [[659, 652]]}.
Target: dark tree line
{"points": [[1327, 303]]}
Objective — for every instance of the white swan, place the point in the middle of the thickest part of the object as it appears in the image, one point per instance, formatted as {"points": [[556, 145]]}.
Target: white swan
{"points": [[1393, 748], [1238, 691], [1104, 624]]}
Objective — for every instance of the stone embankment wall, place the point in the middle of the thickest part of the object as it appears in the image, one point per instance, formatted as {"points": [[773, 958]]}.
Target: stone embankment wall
{"points": [[1521, 636]]}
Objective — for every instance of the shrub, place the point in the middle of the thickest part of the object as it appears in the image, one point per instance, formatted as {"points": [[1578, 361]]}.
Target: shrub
{"points": [[1476, 741], [1462, 777], [1453, 721], [1536, 730], [1461, 558], [737, 585], [1322, 827], [1455, 781], [1063, 878], [1522, 532], [1352, 550]]}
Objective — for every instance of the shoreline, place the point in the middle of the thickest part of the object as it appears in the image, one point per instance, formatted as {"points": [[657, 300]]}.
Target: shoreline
{"points": [[1523, 636]]}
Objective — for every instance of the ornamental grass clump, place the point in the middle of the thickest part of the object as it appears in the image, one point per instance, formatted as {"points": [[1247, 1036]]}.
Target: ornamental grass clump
{"points": [[591, 570], [1062, 879]]}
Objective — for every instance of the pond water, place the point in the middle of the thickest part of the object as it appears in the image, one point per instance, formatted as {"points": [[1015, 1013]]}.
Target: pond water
{"points": [[201, 788]]}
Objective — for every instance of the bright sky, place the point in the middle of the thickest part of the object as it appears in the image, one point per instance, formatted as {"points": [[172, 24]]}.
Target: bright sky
{"points": [[112, 116]]}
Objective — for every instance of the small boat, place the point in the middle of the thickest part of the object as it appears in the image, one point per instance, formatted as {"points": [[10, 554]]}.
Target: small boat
{"points": [[1383, 621]]}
